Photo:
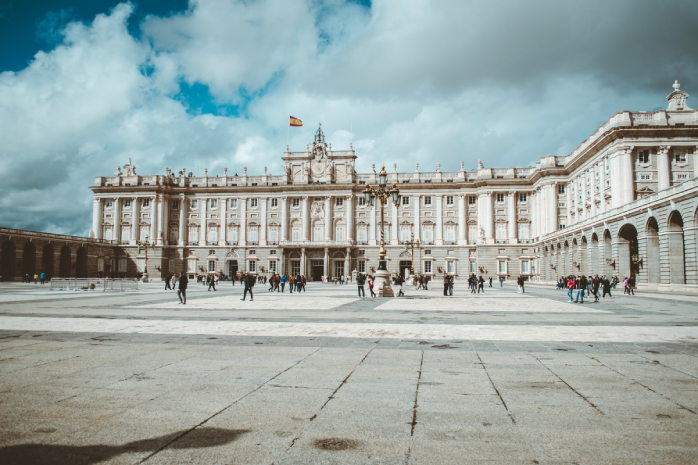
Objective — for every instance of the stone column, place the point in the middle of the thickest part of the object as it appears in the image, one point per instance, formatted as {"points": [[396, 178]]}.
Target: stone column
{"points": [[162, 220], [485, 218], [347, 262], [350, 221], [116, 235], [553, 208], [417, 223], [663, 172], [568, 202], [462, 223], [223, 233], [533, 214], [97, 215], [284, 219], [263, 223], [439, 221], [242, 234], [303, 261], [326, 263], [372, 225], [592, 188], [602, 185], [306, 219], [328, 218], [511, 220], [135, 220], [695, 162], [627, 178], [395, 228], [182, 220], [204, 222], [153, 220]]}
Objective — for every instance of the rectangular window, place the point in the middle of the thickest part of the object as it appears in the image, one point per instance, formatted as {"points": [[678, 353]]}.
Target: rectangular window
{"points": [[680, 156], [449, 200], [213, 235], [362, 266], [562, 226], [451, 266], [253, 203], [175, 205], [318, 233], [274, 234], [502, 267], [272, 252], [108, 234], [427, 252], [472, 233], [362, 252], [173, 264], [194, 204], [100, 265], [295, 202], [682, 177], [560, 188], [233, 203], [174, 234], [145, 231], [362, 201], [646, 177], [339, 233], [427, 201], [450, 233], [122, 265], [643, 156], [340, 201], [254, 234], [405, 232], [272, 266], [127, 203], [524, 231], [562, 204], [500, 197], [427, 266], [253, 266], [473, 266], [362, 234], [296, 233], [523, 197], [501, 231], [194, 235], [109, 204], [125, 234], [405, 200], [472, 200], [211, 266], [233, 234], [274, 202], [214, 204], [146, 202], [428, 234], [524, 267]]}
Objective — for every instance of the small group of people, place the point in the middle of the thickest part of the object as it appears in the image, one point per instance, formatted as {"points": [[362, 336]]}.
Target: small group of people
{"points": [[37, 277], [591, 285], [361, 280], [421, 282], [277, 283], [477, 282], [341, 280]]}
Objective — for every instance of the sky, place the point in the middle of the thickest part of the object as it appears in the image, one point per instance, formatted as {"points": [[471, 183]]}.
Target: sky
{"points": [[87, 84]]}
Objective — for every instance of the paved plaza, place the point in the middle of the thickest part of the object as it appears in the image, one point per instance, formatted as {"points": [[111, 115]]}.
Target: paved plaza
{"points": [[327, 377]]}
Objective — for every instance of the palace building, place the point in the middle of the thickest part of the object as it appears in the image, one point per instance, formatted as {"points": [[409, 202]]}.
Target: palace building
{"points": [[623, 202]]}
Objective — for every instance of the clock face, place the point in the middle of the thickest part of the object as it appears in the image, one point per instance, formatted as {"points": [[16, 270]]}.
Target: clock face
{"points": [[318, 169]]}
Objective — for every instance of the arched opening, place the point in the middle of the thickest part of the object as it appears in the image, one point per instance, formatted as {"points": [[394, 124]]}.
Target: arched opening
{"points": [[8, 256], [677, 270], [607, 254], [29, 259], [566, 260], [81, 263], [652, 261], [627, 251], [64, 264], [47, 261], [583, 251], [595, 254]]}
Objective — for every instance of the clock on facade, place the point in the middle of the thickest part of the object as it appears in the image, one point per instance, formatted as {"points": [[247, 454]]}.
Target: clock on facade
{"points": [[318, 169]]}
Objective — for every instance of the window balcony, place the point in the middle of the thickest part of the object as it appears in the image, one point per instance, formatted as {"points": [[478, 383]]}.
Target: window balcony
{"points": [[211, 242], [361, 242], [427, 242], [272, 242], [231, 242], [192, 242], [449, 242], [252, 242]]}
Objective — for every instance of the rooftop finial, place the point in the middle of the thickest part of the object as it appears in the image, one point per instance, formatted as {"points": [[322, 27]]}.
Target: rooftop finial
{"points": [[319, 135], [480, 165], [676, 85], [677, 99]]}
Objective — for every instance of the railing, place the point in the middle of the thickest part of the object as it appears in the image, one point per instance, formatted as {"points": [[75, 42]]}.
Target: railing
{"points": [[272, 242], [643, 116], [449, 242], [55, 236], [231, 242], [192, 242], [427, 175], [449, 175], [211, 242], [252, 242], [361, 242], [94, 284], [315, 244]]}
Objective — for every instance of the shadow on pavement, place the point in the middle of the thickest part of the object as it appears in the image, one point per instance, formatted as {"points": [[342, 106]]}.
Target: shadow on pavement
{"points": [[47, 454]]}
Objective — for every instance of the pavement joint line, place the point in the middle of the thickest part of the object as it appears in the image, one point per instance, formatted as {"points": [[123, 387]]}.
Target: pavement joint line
{"points": [[567, 384], [495, 388], [225, 408], [649, 388], [414, 410], [293, 441], [670, 368]]}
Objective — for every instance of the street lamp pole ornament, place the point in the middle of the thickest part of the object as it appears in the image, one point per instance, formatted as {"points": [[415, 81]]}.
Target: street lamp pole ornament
{"points": [[146, 244], [383, 193], [411, 243]]}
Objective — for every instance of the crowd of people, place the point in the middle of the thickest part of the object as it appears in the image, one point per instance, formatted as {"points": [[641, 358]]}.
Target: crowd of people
{"points": [[591, 286]]}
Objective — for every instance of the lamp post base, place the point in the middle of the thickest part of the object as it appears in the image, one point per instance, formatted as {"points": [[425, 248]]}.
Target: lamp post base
{"points": [[382, 284]]}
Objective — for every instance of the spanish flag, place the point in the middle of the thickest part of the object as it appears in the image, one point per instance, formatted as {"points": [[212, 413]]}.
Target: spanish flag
{"points": [[296, 122]]}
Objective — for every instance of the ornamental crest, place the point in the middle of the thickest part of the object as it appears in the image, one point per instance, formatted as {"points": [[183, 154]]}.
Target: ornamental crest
{"points": [[317, 210]]}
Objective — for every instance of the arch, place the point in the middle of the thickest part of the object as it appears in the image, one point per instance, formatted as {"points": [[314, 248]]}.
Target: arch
{"points": [[652, 264], [607, 254], [677, 258], [47, 261], [584, 241], [295, 255], [29, 259], [574, 242], [8, 257], [595, 268], [81, 263], [627, 249], [64, 263], [338, 255]]}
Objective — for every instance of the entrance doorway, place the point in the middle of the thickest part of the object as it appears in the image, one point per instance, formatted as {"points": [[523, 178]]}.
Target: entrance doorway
{"points": [[405, 266], [232, 267], [339, 268], [316, 269], [295, 267]]}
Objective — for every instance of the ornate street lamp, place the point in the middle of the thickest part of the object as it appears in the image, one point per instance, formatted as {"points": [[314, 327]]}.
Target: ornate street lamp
{"points": [[383, 194], [145, 245], [411, 243]]}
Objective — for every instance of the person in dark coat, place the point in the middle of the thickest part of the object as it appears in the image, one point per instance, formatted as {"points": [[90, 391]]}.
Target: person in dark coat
{"points": [[360, 281], [183, 282], [481, 286], [606, 284], [167, 282], [248, 280], [211, 282], [446, 282]]}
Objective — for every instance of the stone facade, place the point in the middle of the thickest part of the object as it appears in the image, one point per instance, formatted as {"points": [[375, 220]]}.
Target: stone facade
{"points": [[626, 189]]}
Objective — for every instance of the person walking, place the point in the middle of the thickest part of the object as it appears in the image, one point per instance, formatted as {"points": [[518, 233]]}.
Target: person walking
{"points": [[249, 284], [570, 286], [519, 283], [398, 282], [631, 285], [299, 283], [581, 288], [283, 282], [182, 291], [426, 282], [43, 278], [481, 284], [501, 281], [451, 282], [370, 287], [606, 287], [595, 287], [167, 282], [446, 281], [211, 283], [360, 280]]}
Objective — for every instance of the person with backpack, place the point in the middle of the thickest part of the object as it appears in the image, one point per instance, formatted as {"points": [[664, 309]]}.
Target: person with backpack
{"points": [[249, 284], [360, 280], [43, 278]]}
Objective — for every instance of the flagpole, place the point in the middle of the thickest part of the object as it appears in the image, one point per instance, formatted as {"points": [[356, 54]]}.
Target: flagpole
{"points": [[288, 133]]}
